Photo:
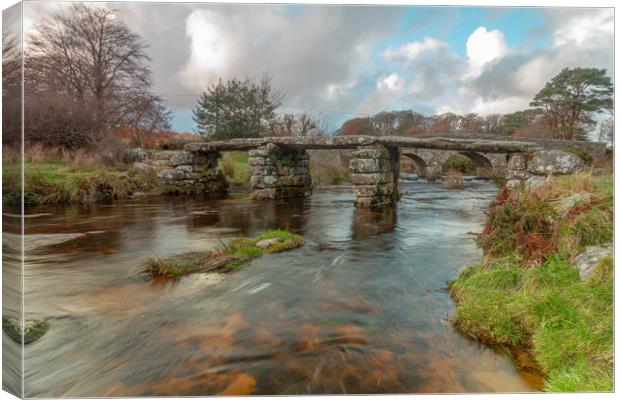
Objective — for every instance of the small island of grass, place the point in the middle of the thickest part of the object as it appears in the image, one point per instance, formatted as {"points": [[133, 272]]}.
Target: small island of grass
{"points": [[228, 258]]}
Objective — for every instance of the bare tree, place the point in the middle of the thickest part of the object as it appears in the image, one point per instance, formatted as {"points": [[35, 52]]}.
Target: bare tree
{"points": [[492, 124], [301, 125], [11, 89], [606, 130], [92, 57], [147, 114]]}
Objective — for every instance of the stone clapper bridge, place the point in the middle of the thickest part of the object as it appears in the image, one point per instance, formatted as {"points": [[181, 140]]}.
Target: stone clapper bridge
{"points": [[280, 165]]}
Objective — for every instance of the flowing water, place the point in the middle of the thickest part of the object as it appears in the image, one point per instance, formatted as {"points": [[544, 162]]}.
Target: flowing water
{"points": [[362, 307]]}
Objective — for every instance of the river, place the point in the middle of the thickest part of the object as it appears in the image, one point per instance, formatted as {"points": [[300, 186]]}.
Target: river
{"points": [[362, 307]]}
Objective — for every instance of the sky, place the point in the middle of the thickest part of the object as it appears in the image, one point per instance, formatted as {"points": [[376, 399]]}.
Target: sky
{"points": [[340, 62]]}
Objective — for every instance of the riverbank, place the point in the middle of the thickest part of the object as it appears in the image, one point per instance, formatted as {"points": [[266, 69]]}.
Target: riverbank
{"points": [[546, 283]]}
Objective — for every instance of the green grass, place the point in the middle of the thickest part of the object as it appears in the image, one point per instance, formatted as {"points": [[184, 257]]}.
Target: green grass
{"points": [[53, 182], [234, 165], [286, 240], [56, 182], [567, 323], [527, 292], [175, 266], [229, 257]]}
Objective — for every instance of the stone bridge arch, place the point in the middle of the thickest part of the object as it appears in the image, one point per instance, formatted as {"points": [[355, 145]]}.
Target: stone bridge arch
{"points": [[419, 162], [432, 161]]}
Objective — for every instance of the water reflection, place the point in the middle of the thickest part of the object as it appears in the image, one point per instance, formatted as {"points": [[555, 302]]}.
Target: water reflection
{"points": [[368, 223], [358, 309]]}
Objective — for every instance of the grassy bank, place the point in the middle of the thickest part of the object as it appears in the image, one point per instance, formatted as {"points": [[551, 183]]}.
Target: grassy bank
{"points": [[60, 182], [227, 258], [528, 292]]}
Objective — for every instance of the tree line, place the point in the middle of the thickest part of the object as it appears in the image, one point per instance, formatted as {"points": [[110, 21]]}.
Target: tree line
{"points": [[564, 109]]}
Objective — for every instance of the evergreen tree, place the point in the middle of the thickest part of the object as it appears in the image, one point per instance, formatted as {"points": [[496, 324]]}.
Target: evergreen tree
{"points": [[237, 109], [571, 98]]}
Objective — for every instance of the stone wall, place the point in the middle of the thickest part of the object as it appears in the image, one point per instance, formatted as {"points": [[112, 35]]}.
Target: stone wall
{"points": [[279, 172], [531, 169], [374, 175], [191, 173]]}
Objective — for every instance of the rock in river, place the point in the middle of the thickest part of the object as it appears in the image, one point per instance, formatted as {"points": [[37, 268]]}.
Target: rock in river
{"points": [[33, 329]]}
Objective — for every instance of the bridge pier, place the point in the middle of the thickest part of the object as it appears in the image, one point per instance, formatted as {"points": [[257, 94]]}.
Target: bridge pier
{"points": [[374, 175], [192, 173], [279, 172]]}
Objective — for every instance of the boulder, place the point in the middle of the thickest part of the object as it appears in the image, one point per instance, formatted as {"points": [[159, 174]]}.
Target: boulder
{"points": [[516, 174], [587, 261], [554, 161], [140, 166], [517, 162], [534, 182], [513, 183], [263, 244], [171, 174], [369, 165], [182, 158], [568, 202], [137, 154]]}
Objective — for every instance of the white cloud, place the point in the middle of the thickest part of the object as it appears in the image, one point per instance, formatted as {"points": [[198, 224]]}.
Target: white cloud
{"points": [[585, 30], [408, 52], [532, 76], [391, 83], [483, 48], [210, 52], [334, 91]]}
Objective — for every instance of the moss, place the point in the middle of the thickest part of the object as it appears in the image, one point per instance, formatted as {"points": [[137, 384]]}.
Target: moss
{"points": [[286, 240], [581, 153], [567, 322], [33, 329]]}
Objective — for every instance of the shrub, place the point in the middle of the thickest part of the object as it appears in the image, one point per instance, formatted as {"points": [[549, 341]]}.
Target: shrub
{"points": [[526, 222], [461, 163]]}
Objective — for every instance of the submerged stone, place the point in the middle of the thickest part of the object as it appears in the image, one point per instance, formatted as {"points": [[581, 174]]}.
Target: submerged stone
{"points": [[33, 329]]}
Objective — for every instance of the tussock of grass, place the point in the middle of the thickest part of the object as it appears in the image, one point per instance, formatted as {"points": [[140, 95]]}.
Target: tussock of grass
{"points": [[454, 179], [286, 240], [567, 322], [227, 258]]}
